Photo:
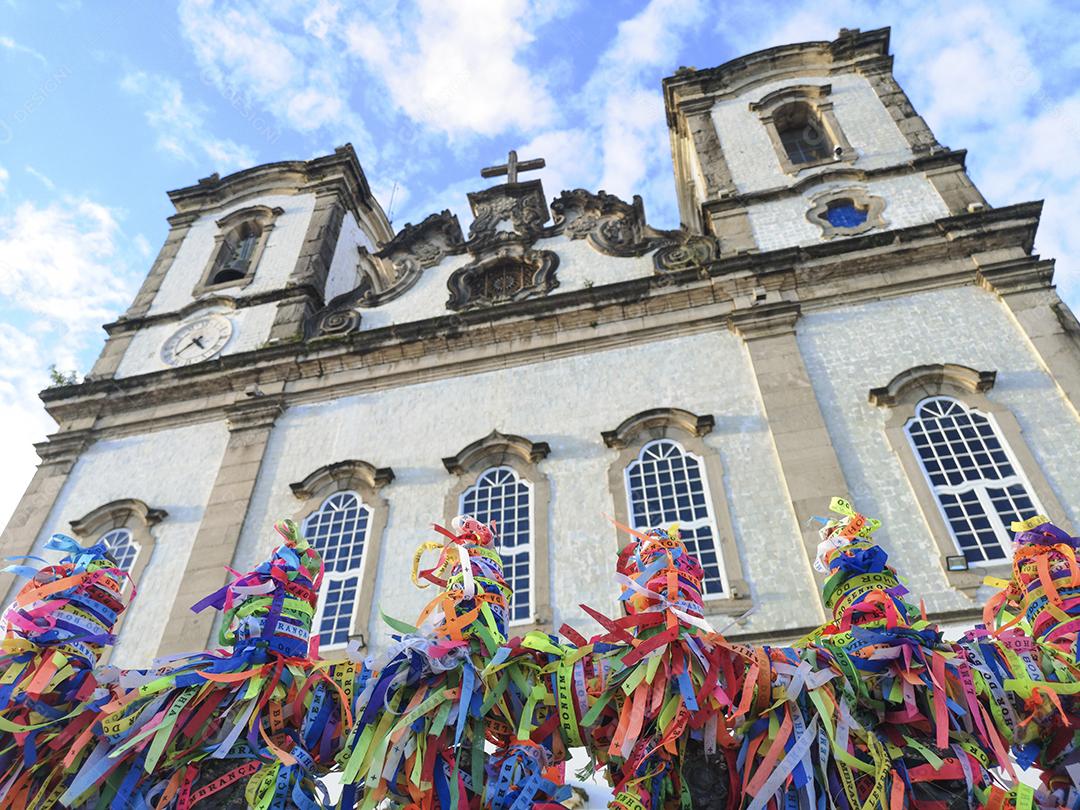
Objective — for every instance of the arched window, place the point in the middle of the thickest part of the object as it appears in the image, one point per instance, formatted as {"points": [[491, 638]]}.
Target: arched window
{"points": [[802, 134], [502, 496], [665, 484], [979, 486], [237, 251], [238, 247], [338, 529], [123, 549]]}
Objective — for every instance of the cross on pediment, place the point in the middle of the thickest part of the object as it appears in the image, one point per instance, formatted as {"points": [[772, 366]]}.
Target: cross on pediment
{"points": [[512, 167]]}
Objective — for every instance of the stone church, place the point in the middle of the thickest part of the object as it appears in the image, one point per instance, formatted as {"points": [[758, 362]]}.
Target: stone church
{"points": [[841, 313]]}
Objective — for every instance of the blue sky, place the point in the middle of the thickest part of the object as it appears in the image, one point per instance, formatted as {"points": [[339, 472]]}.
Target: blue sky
{"points": [[106, 105]]}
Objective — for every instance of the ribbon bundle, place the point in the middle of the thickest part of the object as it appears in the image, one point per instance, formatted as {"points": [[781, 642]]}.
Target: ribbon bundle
{"points": [[56, 629], [872, 710]]}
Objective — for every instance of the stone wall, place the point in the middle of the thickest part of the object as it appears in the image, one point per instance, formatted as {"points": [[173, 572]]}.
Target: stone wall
{"points": [[566, 403]]}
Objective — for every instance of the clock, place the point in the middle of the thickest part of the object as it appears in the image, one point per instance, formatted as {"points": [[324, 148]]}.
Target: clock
{"points": [[197, 340]]}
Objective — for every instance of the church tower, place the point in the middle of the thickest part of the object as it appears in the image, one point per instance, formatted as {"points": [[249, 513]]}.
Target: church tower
{"points": [[800, 143], [248, 258]]}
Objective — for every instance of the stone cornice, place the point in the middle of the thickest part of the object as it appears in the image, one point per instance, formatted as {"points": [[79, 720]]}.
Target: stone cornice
{"points": [[765, 320], [629, 429], [495, 449], [117, 513], [868, 267], [258, 412], [835, 173], [340, 171], [931, 377], [865, 48], [123, 325], [342, 475]]}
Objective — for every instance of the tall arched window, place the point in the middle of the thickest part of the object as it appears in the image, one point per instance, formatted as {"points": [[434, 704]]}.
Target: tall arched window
{"points": [[665, 484], [977, 481], [338, 529], [502, 496], [802, 134], [237, 251], [123, 548], [238, 247]]}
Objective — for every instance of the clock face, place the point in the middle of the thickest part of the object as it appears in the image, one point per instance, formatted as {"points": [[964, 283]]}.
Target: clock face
{"points": [[197, 340]]}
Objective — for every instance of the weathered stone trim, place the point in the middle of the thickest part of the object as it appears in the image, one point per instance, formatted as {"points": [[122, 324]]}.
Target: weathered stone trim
{"points": [[810, 467], [913, 386], [686, 428], [226, 510], [868, 267], [367, 481], [524, 457], [495, 449], [920, 380]]}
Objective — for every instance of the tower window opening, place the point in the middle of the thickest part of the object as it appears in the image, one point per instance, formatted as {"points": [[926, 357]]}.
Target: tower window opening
{"points": [[801, 133], [237, 254]]}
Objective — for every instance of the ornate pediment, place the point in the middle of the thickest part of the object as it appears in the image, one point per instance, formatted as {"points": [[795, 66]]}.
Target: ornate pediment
{"points": [[507, 213], [511, 273], [391, 271]]}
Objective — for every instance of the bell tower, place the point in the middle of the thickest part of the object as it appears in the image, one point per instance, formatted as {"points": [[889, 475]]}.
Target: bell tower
{"points": [[247, 259], [805, 143]]}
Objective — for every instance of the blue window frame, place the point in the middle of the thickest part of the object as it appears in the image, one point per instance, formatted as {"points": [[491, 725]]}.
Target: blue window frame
{"points": [[502, 496], [666, 484], [845, 214], [977, 482], [338, 529]]}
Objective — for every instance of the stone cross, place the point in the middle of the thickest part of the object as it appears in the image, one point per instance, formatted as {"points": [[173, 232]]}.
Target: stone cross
{"points": [[512, 167]]}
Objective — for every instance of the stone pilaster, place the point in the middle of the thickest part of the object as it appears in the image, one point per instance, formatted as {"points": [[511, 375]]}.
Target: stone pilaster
{"points": [[1024, 285], [808, 461], [120, 334], [308, 279], [250, 424], [58, 456]]}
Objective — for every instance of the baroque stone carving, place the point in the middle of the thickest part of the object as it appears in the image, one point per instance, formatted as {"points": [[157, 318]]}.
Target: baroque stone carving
{"points": [[511, 273], [507, 213], [686, 253], [615, 227], [391, 271]]}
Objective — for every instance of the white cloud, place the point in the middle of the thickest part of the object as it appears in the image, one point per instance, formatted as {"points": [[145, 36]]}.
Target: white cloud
{"points": [[623, 101], [62, 275], [457, 67], [4, 176], [9, 44], [42, 178], [256, 56], [181, 125]]}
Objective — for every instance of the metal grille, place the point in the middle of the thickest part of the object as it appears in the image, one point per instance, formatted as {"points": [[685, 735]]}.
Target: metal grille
{"points": [[665, 484], [500, 495], [338, 530], [973, 474], [123, 548]]}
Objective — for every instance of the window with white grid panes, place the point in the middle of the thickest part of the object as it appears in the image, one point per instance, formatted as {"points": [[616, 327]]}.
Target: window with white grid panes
{"points": [[338, 530], [976, 480], [665, 484], [122, 548], [502, 496]]}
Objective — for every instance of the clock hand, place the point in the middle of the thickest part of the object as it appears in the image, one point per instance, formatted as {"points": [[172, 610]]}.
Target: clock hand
{"points": [[198, 342]]}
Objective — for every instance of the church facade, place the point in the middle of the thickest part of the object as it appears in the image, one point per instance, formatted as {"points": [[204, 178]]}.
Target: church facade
{"points": [[842, 313]]}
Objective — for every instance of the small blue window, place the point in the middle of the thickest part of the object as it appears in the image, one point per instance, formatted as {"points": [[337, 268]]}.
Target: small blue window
{"points": [[845, 214]]}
